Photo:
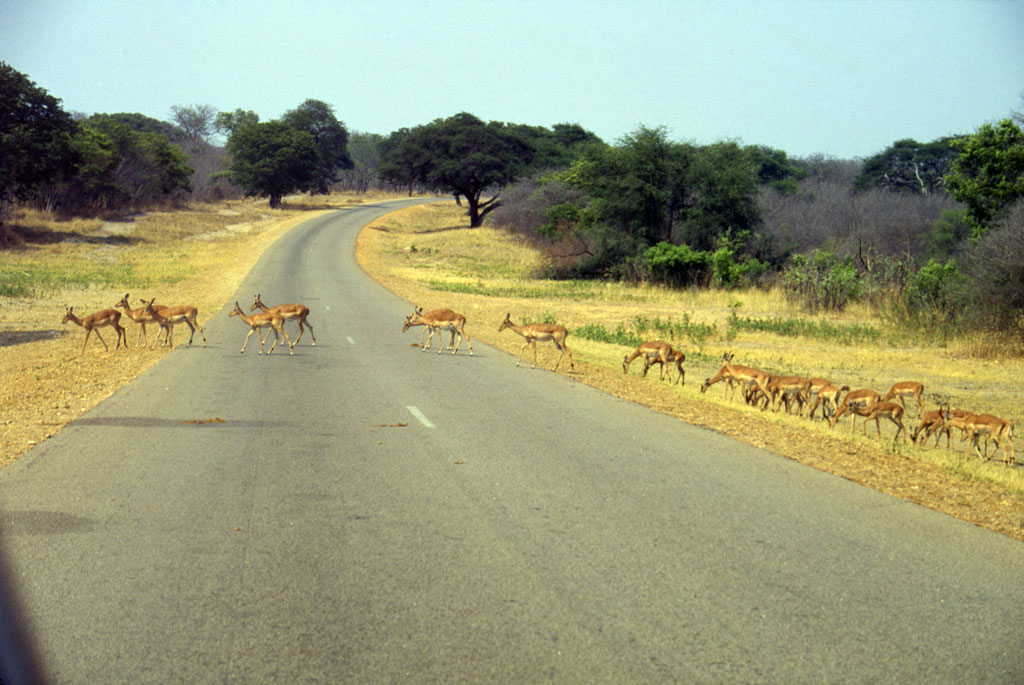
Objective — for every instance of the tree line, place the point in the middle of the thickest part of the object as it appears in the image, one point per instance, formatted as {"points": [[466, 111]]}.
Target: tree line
{"points": [[928, 232]]}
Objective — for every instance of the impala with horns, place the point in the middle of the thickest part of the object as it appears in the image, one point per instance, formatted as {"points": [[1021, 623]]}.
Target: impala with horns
{"points": [[657, 352], [139, 316], [169, 317], [435, 321], [542, 332], [96, 321], [299, 312]]}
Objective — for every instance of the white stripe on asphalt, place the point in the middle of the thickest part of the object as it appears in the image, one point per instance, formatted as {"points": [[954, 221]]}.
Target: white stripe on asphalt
{"points": [[420, 417], [350, 340]]}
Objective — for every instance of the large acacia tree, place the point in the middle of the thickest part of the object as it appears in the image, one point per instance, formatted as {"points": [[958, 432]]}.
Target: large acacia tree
{"points": [[461, 155]]}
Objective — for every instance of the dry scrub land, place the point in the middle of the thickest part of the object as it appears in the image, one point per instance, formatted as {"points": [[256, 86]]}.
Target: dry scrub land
{"points": [[427, 256]]}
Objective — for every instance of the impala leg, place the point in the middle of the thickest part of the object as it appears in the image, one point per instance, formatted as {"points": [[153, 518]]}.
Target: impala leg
{"points": [[246, 341], [306, 321]]}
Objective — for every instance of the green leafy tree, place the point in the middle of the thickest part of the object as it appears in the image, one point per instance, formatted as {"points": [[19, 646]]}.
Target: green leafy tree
{"points": [[148, 167], [774, 168], [35, 139], [988, 176], [908, 166], [721, 195], [330, 137], [461, 155], [273, 159], [226, 123]]}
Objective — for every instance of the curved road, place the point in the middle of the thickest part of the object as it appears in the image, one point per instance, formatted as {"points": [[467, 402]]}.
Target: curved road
{"points": [[522, 528]]}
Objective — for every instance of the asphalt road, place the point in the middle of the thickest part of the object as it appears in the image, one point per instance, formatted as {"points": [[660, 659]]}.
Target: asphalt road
{"points": [[521, 528]]}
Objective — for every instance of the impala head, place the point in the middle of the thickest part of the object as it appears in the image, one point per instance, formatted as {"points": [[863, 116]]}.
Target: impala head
{"points": [[68, 315], [705, 385], [149, 305], [236, 311], [507, 323], [727, 357], [124, 302], [412, 319], [255, 303]]}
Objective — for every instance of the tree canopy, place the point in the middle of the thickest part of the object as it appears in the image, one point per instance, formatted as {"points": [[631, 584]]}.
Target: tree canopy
{"points": [[460, 155], [988, 176], [273, 159], [330, 137], [908, 166], [35, 137]]}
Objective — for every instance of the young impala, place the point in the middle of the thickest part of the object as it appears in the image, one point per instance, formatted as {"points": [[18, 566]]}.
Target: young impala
{"points": [[96, 321], [271, 320], [657, 352], [299, 312], [540, 331], [437, 320]]}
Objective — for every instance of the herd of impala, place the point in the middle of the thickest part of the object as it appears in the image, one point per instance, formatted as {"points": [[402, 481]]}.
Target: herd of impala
{"points": [[271, 318], [759, 387], [763, 389]]}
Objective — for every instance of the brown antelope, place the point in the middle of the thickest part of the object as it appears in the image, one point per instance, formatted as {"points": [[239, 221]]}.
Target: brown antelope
{"points": [[676, 357], [853, 400], [828, 398], [932, 422], [657, 352], [139, 316], [299, 312], [96, 321], [271, 320], [169, 317], [906, 389], [437, 320], [879, 410], [786, 389], [999, 430], [540, 331], [737, 374]]}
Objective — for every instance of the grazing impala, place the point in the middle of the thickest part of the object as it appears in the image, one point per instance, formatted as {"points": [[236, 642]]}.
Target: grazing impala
{"points": [[828, 398], [737, 374], [540, 331], [169, 317], [271, 320], [437, 320], [299, 312], [139, 316], [906, 389], [976, 425], [786, 389], [853, 400], [657, 352], [96, 321], [879, 410]]}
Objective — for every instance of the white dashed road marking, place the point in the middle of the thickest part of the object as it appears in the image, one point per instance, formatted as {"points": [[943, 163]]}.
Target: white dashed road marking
{"points": [[420, 417]]}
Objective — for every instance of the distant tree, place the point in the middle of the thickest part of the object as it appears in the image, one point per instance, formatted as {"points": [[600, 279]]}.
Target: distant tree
{"points": [[196, 122], [330, 137], [226, 123], [908, 166], [139, 123], [775, 169], [35, 139], [366, 150], [148, 168], [273, 159], [988, 176], [556, 147], [461, 155]]}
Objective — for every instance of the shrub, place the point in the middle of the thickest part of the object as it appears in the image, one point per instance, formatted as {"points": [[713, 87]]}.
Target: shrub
{"points": [[822, 280], [677, 264]]}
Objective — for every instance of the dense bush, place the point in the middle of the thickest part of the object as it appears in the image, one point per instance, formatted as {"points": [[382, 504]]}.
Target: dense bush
{"points": [[822, 281]]}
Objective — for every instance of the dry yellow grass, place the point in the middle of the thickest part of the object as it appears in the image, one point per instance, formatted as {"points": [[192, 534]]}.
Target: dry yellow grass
{"points": [[426, 255]]}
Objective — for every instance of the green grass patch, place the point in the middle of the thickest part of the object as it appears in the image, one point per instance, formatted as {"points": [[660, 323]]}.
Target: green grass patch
{"points": [[816, 329], [32, 280]]}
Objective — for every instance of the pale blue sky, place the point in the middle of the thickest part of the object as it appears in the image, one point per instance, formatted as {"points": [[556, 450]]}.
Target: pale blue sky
{"points": [[841, 78]]}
